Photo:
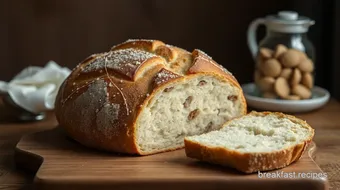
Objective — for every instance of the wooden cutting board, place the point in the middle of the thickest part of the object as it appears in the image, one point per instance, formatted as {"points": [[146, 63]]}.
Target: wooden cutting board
{"points": [[61, 163]]}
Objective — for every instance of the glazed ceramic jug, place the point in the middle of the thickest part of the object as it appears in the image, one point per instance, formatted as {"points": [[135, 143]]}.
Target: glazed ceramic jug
{"points": [[284, 57]]}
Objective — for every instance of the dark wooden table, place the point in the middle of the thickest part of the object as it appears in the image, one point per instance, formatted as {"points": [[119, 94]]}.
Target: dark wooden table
{"points": [[326, 122]]}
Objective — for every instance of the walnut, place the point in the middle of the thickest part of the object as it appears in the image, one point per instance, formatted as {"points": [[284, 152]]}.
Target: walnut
{"points": [[232, 97], [202, 82], [168, 89], [209, 126], [193, 114], [188, 101]]}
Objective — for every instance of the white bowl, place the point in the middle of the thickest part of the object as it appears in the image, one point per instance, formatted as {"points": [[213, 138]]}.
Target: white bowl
{"points": [[319, 98]]}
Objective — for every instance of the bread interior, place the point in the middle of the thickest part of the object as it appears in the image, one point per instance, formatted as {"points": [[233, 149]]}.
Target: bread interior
{"points": [[256, 134], [187, 107]]}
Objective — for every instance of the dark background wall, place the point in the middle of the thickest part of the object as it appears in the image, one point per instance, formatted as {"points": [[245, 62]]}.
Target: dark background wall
{"points": [[32, 32]]}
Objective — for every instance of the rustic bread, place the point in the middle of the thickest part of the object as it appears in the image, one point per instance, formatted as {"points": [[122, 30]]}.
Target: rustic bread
{"points": [[258, 141], [144, 96]]}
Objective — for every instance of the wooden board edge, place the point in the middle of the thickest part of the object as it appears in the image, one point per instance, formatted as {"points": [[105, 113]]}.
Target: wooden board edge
{"points": [[27, 160], [312, 153]]}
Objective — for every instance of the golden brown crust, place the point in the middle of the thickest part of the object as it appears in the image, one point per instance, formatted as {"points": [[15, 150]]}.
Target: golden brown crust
{"points": [[251, 162], [121, 82]]}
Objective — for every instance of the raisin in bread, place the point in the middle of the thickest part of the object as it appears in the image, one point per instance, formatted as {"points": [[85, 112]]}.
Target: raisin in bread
{"points": [[258, 141], [144, 96]]}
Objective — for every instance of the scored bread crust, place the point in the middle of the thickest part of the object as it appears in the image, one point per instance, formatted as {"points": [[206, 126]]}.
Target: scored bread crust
{"points": [[142, 68], [251, 162]]}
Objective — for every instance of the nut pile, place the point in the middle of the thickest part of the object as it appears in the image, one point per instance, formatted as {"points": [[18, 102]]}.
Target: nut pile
{"points": [[284, 73]]}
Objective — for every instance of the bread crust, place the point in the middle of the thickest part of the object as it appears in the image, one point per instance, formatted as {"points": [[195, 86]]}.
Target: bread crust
{"points": [[82, 108], [251, 162]]}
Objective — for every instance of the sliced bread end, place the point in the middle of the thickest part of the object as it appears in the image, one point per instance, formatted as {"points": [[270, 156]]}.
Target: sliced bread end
{"points": [[279, 140]]}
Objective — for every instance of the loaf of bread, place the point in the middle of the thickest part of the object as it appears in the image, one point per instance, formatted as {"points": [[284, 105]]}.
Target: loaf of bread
{"points": [[258, 141], [144, 96]]}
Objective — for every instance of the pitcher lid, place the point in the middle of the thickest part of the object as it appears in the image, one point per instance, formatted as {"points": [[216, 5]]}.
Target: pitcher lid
{"points": [[288, 22]]}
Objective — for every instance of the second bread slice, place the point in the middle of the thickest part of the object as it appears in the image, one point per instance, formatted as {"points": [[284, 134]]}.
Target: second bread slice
{"points": [[258, 141]]}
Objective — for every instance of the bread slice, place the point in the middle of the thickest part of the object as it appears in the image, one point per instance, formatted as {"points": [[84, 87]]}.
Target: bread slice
{"points": [[258, 141]]}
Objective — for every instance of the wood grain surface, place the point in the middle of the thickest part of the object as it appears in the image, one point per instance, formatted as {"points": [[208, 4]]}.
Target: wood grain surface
{"points": [[68, 165], [326, 122]]}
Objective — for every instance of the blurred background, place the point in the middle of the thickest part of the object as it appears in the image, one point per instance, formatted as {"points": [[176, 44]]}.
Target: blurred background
{"points": [[66, 31]]}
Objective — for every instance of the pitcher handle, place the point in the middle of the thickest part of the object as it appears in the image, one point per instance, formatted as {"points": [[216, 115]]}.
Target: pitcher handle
{"points": [[252, 44]]}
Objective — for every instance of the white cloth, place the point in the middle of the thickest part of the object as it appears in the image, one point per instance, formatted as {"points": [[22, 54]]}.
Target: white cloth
{"points": [[35, 88]]}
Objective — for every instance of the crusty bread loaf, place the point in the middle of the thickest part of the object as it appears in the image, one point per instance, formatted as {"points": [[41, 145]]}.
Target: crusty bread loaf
{"points": [[258, 141], [144, 96]]}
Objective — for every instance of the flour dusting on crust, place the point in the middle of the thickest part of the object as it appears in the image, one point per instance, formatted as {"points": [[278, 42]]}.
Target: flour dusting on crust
{"points": [[123, 61], [94, 103], [206, 57], [107, 118], [164, 76], [138, 40]]}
